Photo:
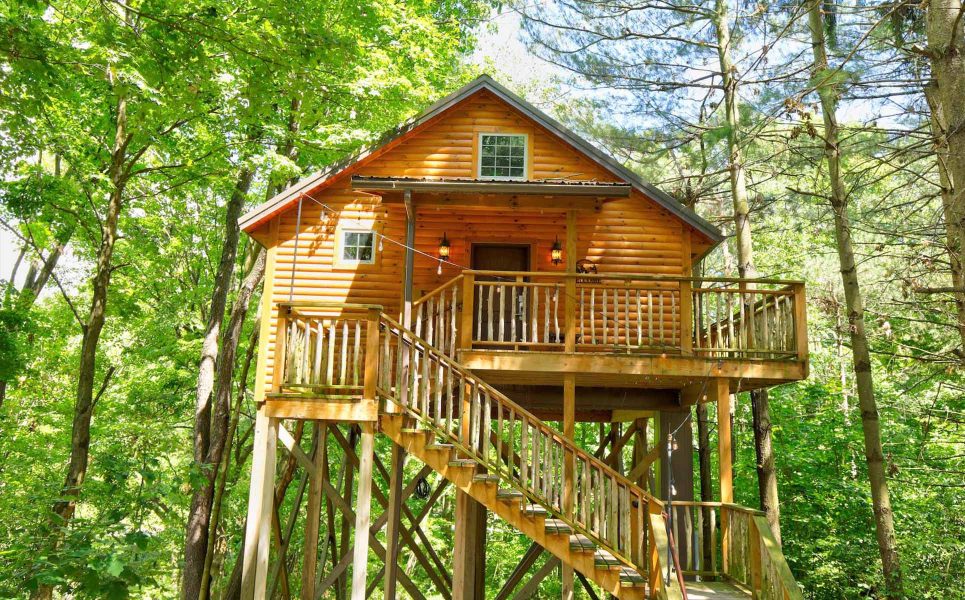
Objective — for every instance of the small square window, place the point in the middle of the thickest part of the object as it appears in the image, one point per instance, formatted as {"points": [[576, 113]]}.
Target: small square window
{"points": [[502, 156], [358, 247]]}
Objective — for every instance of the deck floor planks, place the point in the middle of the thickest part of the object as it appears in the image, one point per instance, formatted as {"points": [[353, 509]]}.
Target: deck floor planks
{"points": [[715, 591]]}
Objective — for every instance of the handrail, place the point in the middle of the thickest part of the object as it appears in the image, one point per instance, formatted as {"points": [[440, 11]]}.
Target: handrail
{"points": [[454, 403], [519, 409], [421, 299], [631, 277]]}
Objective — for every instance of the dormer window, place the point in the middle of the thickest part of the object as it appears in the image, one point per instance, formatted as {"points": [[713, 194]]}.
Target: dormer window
{"points": [[502, 156]]}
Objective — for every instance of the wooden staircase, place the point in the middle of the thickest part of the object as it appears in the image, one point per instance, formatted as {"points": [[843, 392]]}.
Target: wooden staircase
{"points": [[356, 363], [532, 519], [569, 502]]}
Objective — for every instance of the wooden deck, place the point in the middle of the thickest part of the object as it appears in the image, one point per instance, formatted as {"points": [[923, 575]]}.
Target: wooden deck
{"points": [[715, 591]]}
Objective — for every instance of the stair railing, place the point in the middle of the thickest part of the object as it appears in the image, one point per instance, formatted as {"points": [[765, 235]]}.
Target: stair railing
{"points": [[508, 441]]}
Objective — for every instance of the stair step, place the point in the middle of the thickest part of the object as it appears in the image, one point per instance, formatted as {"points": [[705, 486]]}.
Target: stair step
{"points": [[534, 510], [604, 560], [558, 526], [486, 478], [462, 462], [507, 495], [631, 578], [414, 430], [581, 543], [438, 446]]}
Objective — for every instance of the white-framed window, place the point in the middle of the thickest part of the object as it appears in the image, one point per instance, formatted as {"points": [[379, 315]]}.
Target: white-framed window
{"points": [[356, 247], [502, 156]]}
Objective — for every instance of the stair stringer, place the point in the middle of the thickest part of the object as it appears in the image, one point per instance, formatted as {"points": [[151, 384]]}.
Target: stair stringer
{"points": [[484, 492]]}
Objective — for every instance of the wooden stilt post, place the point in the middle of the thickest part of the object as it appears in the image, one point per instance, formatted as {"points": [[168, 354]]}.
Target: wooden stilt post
{"points": [[721, 395], [313, 515], [363, 508], [261, 499], [461, 580], [392, 534], [469, 549], [569, 470]]}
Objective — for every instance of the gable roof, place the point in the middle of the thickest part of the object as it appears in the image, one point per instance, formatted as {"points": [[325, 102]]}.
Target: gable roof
{"points": [[287, 197]]}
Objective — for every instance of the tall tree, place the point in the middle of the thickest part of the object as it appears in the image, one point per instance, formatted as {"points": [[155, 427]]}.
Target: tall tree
{"points": [[945, 34], [827, 82]]}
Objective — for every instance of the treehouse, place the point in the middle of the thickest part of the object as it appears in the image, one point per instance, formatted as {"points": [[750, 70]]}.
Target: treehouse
{"points": [[470, 288]]}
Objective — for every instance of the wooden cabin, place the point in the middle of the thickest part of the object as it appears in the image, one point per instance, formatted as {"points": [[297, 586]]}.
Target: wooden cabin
{"points": [[471, 287]]}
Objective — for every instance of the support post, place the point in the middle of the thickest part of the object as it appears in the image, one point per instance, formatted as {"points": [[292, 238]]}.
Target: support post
{"points": [[392, 533], [569, 464], [363, 509], [570, 285], [409, 260], [720, 390], [261, 500], [468, 556]]}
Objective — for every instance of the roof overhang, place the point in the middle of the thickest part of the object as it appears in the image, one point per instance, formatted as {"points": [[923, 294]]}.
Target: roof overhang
{"points": [[480, 186], [286, 198]]}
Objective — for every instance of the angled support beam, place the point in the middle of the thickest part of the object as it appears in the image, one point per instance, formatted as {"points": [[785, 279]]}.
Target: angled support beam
{"points": [[529, 589], [529, 559]]}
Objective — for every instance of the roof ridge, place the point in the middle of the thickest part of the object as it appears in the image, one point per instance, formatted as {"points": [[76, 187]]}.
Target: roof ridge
{"points": [[283, 199]]}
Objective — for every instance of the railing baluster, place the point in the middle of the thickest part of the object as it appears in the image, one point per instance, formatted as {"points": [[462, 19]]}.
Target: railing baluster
{"points": [[639, 321], [490, 314], [501, 292], [606, 319], [534, 317], [593, 315], [650, 317], [546, 315]]}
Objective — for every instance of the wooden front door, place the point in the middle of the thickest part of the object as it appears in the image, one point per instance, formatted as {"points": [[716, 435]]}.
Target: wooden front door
{"points": [[496, 306]]}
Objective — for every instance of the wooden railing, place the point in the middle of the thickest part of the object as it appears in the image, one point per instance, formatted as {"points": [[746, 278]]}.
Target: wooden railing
{"points": [[508, 442], [322, 348], [744, 549], [526, 311], [355, 352]]}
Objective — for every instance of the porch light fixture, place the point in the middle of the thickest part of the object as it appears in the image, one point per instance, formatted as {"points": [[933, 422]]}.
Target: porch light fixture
{"points": [[444, 247], [556, 252]]}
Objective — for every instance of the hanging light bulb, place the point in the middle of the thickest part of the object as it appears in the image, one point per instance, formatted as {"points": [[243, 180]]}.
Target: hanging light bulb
{"points": [[439, 269], [381, 237]]}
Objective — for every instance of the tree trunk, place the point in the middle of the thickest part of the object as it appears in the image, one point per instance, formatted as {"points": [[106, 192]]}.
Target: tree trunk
{"points": [[884, 518], [63, 508], [766, 475], [945, 30], [197, 536]]}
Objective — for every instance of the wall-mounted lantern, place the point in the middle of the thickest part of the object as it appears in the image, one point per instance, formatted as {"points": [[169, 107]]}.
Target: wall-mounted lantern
{"points": [[444, 247], [556, 252]]}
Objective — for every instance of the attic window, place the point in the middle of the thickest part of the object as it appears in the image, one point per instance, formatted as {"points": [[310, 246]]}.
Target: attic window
{"points": [[502, 156]]}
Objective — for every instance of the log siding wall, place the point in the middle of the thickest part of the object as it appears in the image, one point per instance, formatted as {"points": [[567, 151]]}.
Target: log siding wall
{"points": [[626, 235]]}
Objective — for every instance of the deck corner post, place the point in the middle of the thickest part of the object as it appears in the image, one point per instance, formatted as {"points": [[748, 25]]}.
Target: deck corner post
{"points": [[468, 299], [686, 317], [363, 508], [261, 500], [800, 321]]}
